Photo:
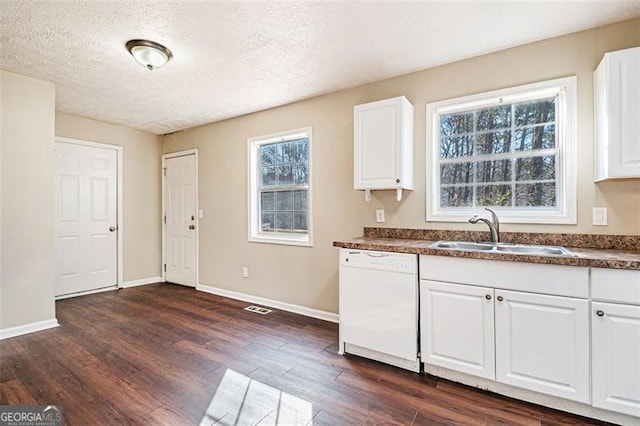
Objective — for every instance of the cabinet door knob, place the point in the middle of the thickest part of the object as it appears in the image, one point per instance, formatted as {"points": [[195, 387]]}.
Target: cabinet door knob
{"points": [[192, 227], [488, 297], [600, 313], [397, 180], [112, 229], [500, 298]]}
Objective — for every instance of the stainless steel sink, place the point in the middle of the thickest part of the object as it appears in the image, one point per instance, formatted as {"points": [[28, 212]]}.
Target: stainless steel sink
{"points": [[463, 245], [531, 250], [535, 250]]}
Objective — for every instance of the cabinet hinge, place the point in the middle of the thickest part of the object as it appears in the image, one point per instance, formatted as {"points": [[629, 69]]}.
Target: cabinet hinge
{"points": [[164, 171], [165, 219], [165, 267]]}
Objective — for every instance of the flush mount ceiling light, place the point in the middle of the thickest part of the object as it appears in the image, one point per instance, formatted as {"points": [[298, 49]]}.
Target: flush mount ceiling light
{"points": [[148, 53]]}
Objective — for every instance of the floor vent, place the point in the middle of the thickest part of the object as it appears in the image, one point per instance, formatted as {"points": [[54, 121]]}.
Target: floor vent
{"points": [[258, 310]]}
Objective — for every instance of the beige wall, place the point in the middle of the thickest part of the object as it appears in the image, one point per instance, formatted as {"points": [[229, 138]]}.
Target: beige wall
{"points": [[142, 189], [308, 276], [26, 227]]}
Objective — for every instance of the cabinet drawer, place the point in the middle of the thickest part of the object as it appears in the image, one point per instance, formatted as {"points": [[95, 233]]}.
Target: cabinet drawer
{"points": [[615, 285]]}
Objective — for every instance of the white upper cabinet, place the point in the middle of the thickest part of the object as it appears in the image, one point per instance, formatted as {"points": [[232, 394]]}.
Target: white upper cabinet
{"points": [[383, 145], [617, 115]]}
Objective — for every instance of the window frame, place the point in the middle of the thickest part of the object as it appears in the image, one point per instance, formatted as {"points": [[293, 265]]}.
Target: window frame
{"points": [[254, 233], [565, 210]]}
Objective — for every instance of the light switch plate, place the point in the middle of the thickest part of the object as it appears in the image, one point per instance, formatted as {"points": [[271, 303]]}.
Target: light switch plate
{"points": [[245, 272], [599, 216], [200, 214], [380, 215]]}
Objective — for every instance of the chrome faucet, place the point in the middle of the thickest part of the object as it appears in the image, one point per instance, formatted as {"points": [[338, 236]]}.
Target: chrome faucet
{"points": [[494, 227]]}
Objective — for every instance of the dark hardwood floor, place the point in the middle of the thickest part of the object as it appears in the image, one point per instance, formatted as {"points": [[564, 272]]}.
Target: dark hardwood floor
{"points": [[170, 355]]}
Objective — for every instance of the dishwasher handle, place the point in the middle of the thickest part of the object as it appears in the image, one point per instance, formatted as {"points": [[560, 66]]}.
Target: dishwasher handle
{"points": [[377, 254]]}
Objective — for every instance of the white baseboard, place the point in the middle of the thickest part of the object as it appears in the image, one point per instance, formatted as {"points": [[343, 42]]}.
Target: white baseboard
{"points": [[297, 309], [142, 281], [86, 293], [6, 333]]}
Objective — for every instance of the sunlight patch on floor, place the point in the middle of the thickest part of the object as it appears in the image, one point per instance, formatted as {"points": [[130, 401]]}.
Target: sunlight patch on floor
{"points": [[241, 400]]}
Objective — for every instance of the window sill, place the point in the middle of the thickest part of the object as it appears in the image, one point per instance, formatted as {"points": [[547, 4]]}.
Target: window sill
{"points": [[282, 240], [523, 217]]}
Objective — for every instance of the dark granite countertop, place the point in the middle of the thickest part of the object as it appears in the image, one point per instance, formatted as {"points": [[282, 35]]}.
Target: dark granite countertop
{"points": [[598, 251]]}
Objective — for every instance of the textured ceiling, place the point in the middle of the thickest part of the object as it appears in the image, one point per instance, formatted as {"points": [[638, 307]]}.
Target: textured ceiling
{"points": [[233, 58]]}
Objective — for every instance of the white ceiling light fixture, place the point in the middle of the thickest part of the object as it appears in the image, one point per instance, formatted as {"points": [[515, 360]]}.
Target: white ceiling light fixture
{"points": [[149, 54]]}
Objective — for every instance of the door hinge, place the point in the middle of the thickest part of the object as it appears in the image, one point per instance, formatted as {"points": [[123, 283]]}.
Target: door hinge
{"points": [[165, 267], [165, 218]]}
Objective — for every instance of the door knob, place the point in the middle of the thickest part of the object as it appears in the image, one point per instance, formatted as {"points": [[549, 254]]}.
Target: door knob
{"points": [[112, 228], [192, 227]]}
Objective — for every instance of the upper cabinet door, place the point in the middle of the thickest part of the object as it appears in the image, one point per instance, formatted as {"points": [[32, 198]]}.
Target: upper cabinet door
{"points": [[617, 115], [383, 144], [542, 343]]}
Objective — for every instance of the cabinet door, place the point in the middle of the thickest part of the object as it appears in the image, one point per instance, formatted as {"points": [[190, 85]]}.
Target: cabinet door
{"points": [[542, 343], [456, 326], [616, 357], [617, 95], [377, 144]]}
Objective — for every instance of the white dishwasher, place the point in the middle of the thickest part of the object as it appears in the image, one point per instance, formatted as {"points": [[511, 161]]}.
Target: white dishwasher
{"points": [[378, 303]]}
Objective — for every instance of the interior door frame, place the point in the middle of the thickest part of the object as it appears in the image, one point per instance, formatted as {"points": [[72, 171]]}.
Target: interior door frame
{"points": [[119, 197], [165, 157]]}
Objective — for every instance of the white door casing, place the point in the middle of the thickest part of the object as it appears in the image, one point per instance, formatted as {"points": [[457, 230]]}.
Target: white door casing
{"points": [[180, 214], [86, 216]]}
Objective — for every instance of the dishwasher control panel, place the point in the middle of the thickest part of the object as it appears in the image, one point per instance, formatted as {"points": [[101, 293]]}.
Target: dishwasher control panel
{"points": [[385, 261]]}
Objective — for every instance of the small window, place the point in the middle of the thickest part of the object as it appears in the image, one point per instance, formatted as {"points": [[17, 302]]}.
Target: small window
{"points": [[511, 150], [279, 188]]}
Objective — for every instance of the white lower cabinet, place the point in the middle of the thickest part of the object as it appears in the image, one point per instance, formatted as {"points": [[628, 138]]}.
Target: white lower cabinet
{"points": [[542, 343], [616, 357], [457, 327]]}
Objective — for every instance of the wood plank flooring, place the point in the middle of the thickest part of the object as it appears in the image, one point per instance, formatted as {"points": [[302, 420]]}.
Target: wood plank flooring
{"points": [[168, 355]]}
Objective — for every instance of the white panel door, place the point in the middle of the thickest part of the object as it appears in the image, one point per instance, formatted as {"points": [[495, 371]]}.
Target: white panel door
{"points": [[85, 218], [542, 343], [456, 327], [616, 357], [180, 218]]}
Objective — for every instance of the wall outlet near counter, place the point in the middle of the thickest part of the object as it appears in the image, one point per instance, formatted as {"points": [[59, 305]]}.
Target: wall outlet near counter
{"points": [[245, 272], [380, 215], [599, 216]]}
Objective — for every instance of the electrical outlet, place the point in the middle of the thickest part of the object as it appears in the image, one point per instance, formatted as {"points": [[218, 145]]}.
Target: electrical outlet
{"points": [[245, 272], [200, 214], [599, 216], [380, 215]]}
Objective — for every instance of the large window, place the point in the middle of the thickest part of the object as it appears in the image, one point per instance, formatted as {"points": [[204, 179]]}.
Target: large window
{"points": [[511, 150], [279, 188]]}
